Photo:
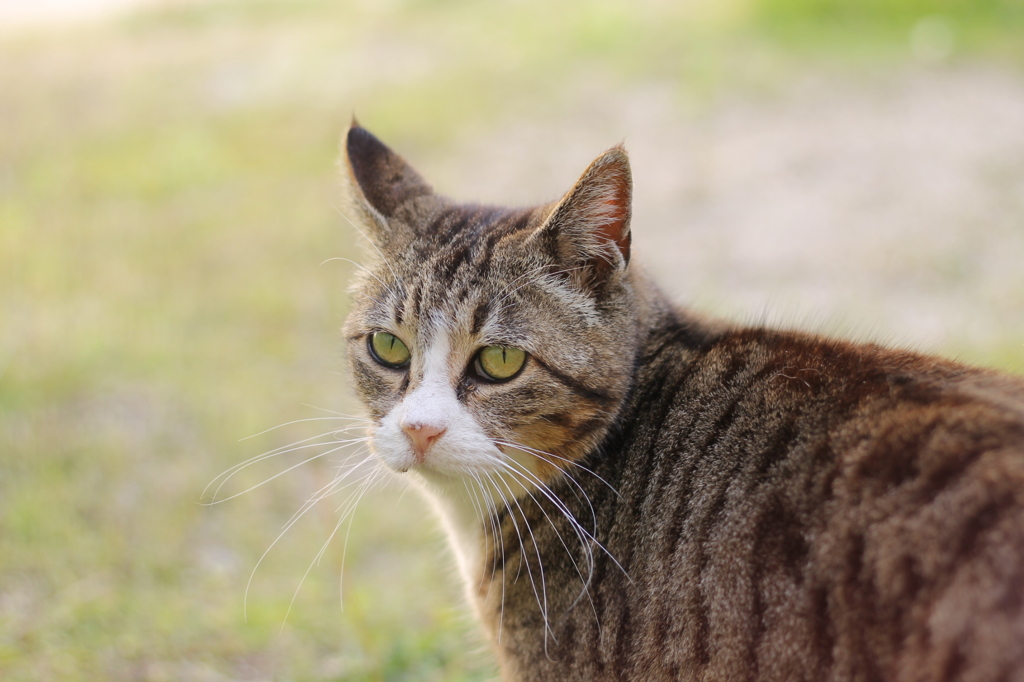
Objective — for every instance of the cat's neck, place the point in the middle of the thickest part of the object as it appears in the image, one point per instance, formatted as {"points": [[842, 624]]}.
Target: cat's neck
{"points": [[660, 321], [463, 517]]}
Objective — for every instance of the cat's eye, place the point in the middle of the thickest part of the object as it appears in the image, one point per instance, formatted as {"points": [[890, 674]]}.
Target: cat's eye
{"points": [[388, 350], [499, 363]]}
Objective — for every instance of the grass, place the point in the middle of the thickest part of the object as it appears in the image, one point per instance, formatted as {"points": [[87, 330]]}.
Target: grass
{"points": [[166, 202]]}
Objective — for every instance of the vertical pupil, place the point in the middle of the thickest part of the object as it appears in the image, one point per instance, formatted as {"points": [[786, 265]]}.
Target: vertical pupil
{"points": [[503, 360]]}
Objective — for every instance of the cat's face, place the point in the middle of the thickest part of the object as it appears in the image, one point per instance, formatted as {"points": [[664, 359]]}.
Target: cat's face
{"points": [[488, 344]]}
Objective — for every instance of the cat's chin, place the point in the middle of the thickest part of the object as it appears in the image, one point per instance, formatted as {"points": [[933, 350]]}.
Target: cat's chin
{"points": [[442, 473], [494, 474]]}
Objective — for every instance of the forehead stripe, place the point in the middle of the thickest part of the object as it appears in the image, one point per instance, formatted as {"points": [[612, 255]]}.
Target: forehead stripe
{"points": [[483, 309], [399, 309], [453, 261], [416, 296]]}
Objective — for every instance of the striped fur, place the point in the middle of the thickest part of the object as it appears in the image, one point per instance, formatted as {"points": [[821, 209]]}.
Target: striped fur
{"points": [[658, 496]]}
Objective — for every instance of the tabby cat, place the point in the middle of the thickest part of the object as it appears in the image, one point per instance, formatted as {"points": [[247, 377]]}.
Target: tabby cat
{"points": [[636, 492]]}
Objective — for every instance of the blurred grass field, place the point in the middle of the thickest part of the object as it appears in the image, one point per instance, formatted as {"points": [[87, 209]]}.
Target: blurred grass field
{"points": [[166, 208]]}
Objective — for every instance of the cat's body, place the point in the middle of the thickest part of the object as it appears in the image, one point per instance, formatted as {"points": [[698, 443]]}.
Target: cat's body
{"points": [[791, 509], [649, 495]]}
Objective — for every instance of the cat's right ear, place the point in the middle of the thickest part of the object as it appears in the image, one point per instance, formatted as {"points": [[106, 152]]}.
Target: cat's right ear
{"points": [[377, 182]]}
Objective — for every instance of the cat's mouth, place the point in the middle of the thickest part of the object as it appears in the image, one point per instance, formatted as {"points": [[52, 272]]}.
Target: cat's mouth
{"points": [[453, 461]]}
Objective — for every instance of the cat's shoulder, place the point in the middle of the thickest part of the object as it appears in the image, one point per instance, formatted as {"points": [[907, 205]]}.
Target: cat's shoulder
{"points": [[801, 367]]}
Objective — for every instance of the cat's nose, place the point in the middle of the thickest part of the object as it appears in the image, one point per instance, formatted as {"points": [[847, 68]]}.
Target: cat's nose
{"points": [[422, 436]]}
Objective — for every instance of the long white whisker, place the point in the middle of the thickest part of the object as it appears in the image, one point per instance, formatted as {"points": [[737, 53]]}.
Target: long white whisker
{"points": [[593, 539], [522, 548], [530, 274], [374, 474], [578, 491], [540, 454], [323, 548], [540, 567], [518, 279], [529, 477], [340, 414], [581, 534], [308, 419], [369, 241], [580, 495], [292, 522], [295, 447], [282, 473], [230, 471], [499, 540], [338, 478], [549, 494], [387, 288], [484, 518]]}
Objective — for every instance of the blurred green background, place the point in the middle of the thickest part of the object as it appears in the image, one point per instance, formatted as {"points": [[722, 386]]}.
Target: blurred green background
{"points": [[167, 205]]}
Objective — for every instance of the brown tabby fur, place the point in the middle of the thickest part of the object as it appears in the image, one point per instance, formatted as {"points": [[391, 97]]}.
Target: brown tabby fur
{"points": [[759, 505]]}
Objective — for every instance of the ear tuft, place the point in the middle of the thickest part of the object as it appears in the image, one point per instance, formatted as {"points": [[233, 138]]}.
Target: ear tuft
{"points": [[589, 228], [385, 179]]}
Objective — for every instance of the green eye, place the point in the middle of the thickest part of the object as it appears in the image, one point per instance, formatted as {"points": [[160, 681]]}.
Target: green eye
{"points": [[498, 363], [388, 350]]}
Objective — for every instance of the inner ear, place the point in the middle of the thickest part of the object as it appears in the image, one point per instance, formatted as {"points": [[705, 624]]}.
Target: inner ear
{"points": [[616, 197], [588, 229], [384, 178]]}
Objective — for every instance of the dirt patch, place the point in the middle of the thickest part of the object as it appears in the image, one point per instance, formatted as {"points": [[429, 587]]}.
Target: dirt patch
{"points": [[889, 208]]}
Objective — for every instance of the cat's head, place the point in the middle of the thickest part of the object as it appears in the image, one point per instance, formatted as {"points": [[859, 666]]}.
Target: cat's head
{"points": [[488, 341]]}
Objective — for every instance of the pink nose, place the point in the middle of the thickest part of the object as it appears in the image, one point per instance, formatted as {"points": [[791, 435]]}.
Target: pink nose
{"points": [[422, 436]]}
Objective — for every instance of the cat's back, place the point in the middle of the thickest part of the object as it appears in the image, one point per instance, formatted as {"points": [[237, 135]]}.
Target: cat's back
{"points": [[790, 507]]}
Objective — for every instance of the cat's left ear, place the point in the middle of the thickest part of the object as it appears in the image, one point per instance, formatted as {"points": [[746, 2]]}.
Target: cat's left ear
{"points": [[588, 230], [378, 183]]}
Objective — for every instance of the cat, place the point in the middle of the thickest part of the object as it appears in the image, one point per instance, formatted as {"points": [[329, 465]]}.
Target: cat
{"points": [[637, 492]]}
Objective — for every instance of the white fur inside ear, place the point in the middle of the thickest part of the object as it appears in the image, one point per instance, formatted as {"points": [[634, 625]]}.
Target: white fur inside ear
{"points": [[589, 227]]}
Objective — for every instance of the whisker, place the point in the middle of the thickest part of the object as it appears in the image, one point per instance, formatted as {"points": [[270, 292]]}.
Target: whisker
{"points": [[350, 512], [323, 547], [581, 534], [334, 482], [559, 504], [578, 491], [515, 525], [542, 486], [505, 289], [282, 473], [308, 419], [369, 241], [498, 538], [387, 287], [292, 522], [476, 502], [340, 414], [541, 453], [530, 274], [540, 568], [230, 471]]}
